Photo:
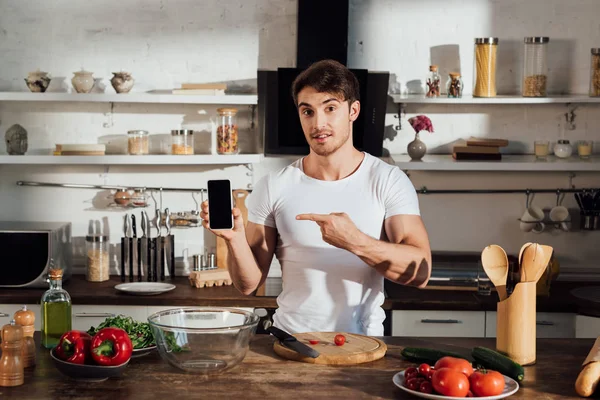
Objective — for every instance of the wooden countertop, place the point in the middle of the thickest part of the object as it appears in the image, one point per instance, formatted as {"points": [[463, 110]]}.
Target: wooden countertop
{"points": [[263, 375], [405, 298]]}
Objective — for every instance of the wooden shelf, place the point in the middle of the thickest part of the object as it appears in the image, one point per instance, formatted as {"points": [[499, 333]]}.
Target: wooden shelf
{"points": [[166, 159], [150, 97], [445, 162], [514, 99]]}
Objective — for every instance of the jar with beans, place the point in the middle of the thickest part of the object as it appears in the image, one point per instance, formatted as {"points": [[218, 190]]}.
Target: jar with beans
{"points": [[227, 131], [182, 141]]}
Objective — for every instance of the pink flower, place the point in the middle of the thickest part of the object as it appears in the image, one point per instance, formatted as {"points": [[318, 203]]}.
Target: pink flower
{"points": [[421, 123]]}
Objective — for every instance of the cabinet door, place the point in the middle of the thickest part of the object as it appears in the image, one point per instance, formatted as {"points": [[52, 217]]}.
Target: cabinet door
{"points": [[548, 325], [587, 327], [7, 313], [86, 316], [438, 323]]}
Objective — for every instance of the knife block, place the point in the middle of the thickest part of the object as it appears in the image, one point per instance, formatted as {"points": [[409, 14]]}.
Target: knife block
{"points": [[516, 324]]}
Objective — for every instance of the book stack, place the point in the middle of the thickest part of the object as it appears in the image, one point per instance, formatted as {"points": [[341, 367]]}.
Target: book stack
{"points": [[481, 149], [212, 89]]}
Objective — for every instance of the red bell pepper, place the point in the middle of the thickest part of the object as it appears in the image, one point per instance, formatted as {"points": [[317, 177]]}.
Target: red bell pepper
{"points": [[111, 346], [74, 347]]}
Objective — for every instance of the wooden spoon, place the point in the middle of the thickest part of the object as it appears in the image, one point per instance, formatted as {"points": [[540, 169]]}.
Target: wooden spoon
{"points": [[544, 255], [528, 262], [521, 253], [495, 265]]}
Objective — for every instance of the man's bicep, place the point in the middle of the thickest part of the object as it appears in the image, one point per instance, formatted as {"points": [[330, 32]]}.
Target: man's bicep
{"points": [[262, 240], [407, 229]]}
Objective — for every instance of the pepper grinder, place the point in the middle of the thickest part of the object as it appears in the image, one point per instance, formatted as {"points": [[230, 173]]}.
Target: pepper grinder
{"points": [[26, 318], [12, 372]]}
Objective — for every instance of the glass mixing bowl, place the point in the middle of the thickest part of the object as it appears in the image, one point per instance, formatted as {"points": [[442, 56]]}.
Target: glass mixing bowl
{"points": [[203, 340]]}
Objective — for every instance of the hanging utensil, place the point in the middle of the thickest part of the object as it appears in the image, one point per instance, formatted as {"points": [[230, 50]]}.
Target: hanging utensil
{"points": [[133, 235], [495, 265], [171, 243]]}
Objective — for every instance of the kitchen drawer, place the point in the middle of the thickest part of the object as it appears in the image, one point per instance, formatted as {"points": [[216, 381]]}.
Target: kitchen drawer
{"points": [[587, 327], [438, 323], [548, 325], [7, 313], [86, 316]]}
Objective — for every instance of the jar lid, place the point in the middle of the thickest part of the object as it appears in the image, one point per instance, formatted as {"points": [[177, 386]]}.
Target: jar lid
{"points": [[433, 68], [96, 238], [182, 132], [55, 273], [487, 40], [563, 141], [137, 132], [122, 190], [596, 51], [454, 74], [537, 39], [139, 190], [227, 111]]}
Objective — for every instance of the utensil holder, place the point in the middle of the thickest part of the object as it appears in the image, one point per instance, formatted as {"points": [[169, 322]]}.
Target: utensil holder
{"points": [[590, 221], [515, 324]]}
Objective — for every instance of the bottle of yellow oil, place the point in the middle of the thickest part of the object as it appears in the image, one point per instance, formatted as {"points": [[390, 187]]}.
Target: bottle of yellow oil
{"points": [[55, 310]]}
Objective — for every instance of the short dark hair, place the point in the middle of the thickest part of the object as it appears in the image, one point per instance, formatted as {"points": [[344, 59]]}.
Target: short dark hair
{"points": [[328, 76]]}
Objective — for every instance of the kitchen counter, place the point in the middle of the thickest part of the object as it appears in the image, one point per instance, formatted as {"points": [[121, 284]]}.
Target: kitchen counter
{"points": [[401, 298], [263, 375]]}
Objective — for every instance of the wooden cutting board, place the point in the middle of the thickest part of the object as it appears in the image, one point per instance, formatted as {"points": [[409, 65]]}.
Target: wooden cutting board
{"points": [[239, 198], [358, 349]]}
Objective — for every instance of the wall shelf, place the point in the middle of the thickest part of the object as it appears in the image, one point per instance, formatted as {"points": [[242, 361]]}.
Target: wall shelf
{"points": [[445, 162], [514, 99], [150, 97], [207, 159]]}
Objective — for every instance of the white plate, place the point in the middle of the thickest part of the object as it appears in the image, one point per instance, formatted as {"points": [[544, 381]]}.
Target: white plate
{"points": [[145, 288], [142, 352], [510, 388]]}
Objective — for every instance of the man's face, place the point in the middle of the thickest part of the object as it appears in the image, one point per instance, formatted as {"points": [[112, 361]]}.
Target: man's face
{"points": [[326, 120]]}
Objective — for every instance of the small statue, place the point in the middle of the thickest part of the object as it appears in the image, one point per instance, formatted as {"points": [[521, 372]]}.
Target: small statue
{"points": [[16, 140]]}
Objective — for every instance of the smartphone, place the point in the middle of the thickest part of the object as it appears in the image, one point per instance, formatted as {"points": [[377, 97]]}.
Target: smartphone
{"points": [[220, 204]]}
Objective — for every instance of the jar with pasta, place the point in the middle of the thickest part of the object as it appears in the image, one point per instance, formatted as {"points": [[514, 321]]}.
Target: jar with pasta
{"points": [[595, 73], [98, 258], [182, 141], [535, 70], [227, 131], [486, 50], [137, 142]]}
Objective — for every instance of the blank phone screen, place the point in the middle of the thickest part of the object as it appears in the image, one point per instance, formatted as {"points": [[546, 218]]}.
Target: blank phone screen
{"points": [[219, 204]]}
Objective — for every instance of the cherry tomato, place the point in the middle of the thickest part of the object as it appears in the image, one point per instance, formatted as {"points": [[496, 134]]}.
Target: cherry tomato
{"points": [[339, 340], [426, 387], [313, 341], [470, 394], [424, 369], [412, 384], [457, 364], [449, 382], [430, 374], [486, 383], [410, 373]]}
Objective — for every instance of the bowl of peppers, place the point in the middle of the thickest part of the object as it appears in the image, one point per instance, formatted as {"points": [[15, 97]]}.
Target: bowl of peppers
{"points": [[81, 356]]}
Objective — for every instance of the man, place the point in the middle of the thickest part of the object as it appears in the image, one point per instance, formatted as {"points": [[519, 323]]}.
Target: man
{"points": [[339, 220]]}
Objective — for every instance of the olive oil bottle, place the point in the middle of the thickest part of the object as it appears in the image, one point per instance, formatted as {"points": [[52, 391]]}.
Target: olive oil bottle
{"points": [[56, 310]]}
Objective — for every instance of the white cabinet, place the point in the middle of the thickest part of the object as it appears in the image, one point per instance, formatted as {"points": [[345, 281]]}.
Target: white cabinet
{"points": [[86, 316], [548, 325], [438, 323], [7, 312], [587, 327]]}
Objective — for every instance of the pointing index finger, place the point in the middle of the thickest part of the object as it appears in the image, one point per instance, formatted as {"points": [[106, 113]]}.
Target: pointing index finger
{"points": [[312, 217]]}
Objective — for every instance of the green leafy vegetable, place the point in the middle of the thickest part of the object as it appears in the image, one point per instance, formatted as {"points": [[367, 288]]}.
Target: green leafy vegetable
{"points": [[139, 332]]}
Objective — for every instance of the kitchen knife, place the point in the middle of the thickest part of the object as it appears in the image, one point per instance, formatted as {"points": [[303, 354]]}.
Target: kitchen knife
{"points": [[123, 245], [171, 240], [292, 343], [133, 235], [155, 245], [139, 251], [146, 235]]}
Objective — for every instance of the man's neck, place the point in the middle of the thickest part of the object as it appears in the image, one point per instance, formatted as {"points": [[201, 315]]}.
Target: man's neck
{"points": [[336, 166]]}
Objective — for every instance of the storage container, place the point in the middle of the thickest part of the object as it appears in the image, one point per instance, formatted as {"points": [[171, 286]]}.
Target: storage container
{"points": [[182, 141], [98, 258], [595, 73], [486, 50], [137, 142], [227, 131], [535, 69]]}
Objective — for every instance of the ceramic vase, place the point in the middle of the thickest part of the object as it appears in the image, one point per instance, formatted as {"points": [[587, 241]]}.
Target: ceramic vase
{"points": [[37, 81], [83, 81], [122, 82], [416, 149]]}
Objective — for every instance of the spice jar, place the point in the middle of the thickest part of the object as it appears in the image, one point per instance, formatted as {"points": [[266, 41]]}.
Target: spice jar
{"points": [[227, 131], [584, 149], [137, 142], [139, 198], [433, 82], [182, 141], [454, 85], [98, 258], [486, 50], [595, 73], [535, 68], [563, 149], [122, 197]]}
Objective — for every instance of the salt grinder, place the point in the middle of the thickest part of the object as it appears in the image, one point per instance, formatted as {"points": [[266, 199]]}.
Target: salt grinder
{"points": [[12, 372], [26, 318]]}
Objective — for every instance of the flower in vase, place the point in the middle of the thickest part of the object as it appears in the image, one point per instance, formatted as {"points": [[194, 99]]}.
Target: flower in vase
{"points": [[421, 123], [417, 149]]}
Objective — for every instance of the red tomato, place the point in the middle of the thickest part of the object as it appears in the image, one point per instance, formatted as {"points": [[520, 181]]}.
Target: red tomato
{"points": [[339, 340], [424, 369], [313, 341], [412, 384], [410, 373], [426, 387], [430, 374], [486, 383], [470, 394], [457, 364], [449, 382]]}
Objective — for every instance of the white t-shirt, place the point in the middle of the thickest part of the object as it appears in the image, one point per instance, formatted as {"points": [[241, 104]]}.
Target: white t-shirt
{"points": [[325, 288]]}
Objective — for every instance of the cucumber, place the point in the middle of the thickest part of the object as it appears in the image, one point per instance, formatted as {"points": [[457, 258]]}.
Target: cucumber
{"points": [[429, 356], [495, 361]]}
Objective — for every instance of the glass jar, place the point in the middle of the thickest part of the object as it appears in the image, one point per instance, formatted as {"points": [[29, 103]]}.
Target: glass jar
{"points": [[122, 197], [584, 149], [55, 309], [454, 85], [182, 141], [563, 149], [595, 73], [541, 149], [227, 131], [137, 142], [486, 50], [433, 82], [139, 198], [98, 258], [535, 70]]}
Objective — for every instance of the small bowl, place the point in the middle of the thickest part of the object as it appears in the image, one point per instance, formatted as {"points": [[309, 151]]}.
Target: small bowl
{"points": [[88, 373], [203, 340]]}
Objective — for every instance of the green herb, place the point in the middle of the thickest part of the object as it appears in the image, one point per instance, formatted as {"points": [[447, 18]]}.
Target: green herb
{"points": [[139, 332], [171, 343]]}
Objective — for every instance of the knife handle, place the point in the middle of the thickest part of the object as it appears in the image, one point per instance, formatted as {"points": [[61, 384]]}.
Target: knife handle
{"points": [[172, 250], [139, 260], [149, 259], [130, 259], [123, 259], [155, 244], [162, 258]]}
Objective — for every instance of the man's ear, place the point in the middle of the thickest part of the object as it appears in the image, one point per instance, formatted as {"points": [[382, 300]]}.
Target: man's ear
{"points": [[354, 110]]}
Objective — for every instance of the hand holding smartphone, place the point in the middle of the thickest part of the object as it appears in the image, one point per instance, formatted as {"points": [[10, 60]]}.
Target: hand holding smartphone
{"points": [[220, 203]]}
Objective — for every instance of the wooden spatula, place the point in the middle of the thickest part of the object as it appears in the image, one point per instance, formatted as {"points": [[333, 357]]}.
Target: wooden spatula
{"points": [[495, 265]]}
